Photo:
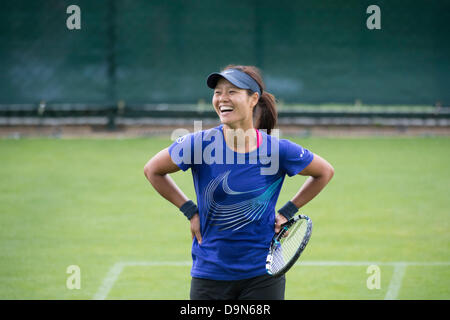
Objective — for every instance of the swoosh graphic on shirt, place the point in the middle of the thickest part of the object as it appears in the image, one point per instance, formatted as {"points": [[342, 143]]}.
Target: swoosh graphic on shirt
{"points": [[239, 214]]}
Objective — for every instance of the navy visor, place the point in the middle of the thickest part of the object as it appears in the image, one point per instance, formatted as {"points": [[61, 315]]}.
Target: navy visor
{"points": [[238, 78]]}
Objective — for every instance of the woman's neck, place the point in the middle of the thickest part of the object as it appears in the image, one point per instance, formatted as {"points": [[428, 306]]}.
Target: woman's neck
{"points": [[239, 139]]}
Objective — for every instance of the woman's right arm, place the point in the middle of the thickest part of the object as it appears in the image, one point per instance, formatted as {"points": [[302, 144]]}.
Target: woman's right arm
{"points": [[157, 172]]}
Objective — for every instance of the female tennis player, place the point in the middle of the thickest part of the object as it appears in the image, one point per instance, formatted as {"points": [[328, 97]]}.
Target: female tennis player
{"points": [[238, 170]]}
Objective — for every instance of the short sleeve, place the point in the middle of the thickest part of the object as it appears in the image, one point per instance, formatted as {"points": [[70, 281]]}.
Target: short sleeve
{"points": [[294, 158], [181, 152]]}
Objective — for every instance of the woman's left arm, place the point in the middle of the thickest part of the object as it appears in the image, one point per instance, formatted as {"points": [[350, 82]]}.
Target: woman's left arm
{"points": [[320, 173]]}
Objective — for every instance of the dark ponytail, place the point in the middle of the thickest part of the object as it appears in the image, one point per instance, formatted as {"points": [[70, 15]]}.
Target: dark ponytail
{"points": [[265, 112]]}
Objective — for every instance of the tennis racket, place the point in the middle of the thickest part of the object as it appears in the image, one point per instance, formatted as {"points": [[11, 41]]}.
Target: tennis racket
{"points": [[287, 245]]}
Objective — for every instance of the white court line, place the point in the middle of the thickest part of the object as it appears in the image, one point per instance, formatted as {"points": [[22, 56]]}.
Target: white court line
{"points": [[117, 268], [393, 289], [109, 281], [396, 282]]}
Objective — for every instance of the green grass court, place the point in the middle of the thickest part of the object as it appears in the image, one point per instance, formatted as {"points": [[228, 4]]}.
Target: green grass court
{"points": [[86, 202]]}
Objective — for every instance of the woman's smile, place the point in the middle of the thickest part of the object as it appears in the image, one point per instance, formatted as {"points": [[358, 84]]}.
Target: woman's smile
{"points": [[224, 109]]}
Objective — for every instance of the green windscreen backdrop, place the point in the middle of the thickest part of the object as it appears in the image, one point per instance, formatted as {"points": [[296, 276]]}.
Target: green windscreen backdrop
{"points": [[153, 51]]}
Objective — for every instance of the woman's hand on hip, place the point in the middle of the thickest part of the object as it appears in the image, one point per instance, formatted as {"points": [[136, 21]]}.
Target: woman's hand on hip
{"points": [[195, 228]]}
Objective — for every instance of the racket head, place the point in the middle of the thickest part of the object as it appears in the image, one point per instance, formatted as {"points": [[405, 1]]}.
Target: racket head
{"points": [[287, 245]]}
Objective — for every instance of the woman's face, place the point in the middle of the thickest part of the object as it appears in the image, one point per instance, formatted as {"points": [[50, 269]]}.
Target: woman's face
{"points": [[233, 105]]}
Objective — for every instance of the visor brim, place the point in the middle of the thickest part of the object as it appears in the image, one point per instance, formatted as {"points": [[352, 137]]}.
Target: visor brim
{"points": [[213, 78]]}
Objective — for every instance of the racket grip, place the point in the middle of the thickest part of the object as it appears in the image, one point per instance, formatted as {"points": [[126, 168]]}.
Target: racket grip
{"points": [[269, 264]]}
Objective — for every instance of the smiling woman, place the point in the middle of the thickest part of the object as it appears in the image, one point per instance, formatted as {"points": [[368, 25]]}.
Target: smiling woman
{"points": [[259, 106], [235, 220]]}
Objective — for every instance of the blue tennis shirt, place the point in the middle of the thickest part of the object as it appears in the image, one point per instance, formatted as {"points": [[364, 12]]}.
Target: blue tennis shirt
{"points": [[236, 197]]}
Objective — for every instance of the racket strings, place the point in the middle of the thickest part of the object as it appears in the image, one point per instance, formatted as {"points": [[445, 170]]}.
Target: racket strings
{"points": [[289, 245]]}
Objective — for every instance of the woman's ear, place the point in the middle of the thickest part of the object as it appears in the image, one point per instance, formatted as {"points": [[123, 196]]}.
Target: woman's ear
{"points": [[254, 99]]}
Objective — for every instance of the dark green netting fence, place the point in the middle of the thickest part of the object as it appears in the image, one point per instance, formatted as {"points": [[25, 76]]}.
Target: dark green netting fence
{"points": [[138, 51]]}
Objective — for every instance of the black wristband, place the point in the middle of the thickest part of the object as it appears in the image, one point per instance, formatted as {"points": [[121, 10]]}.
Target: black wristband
{"points": [[189, 208], [288, 210]]}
